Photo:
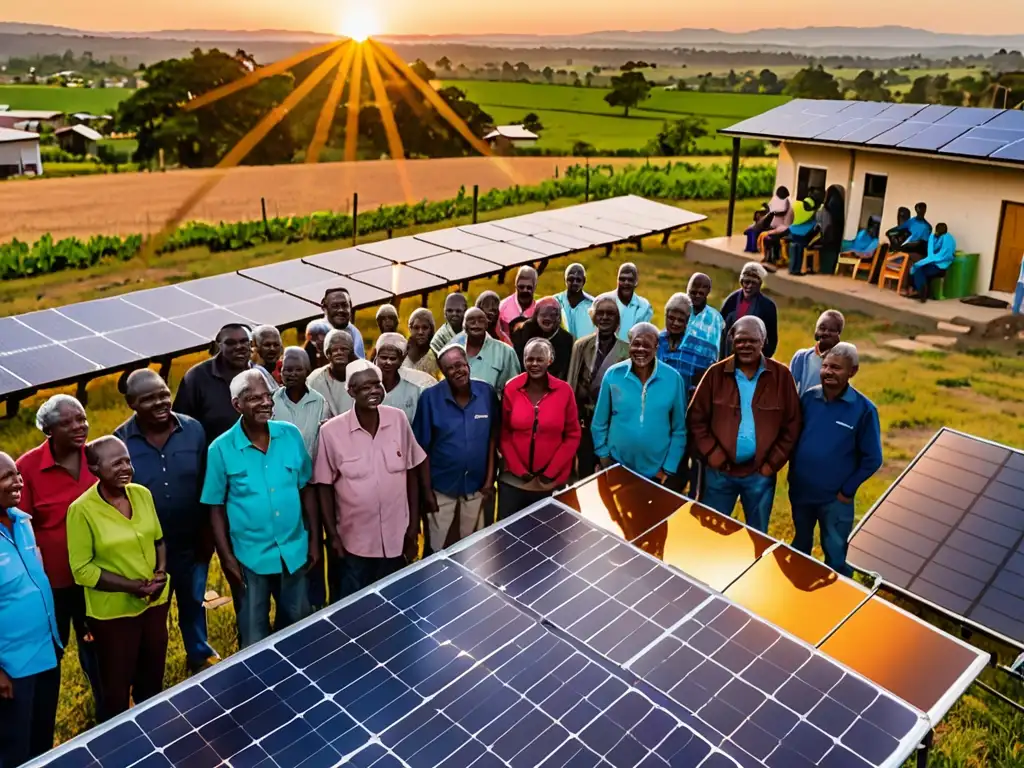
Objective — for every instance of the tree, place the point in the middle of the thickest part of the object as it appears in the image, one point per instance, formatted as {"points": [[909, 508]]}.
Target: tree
{"points": [[508, 72], [732, 79], [596, 69], [420, 68], [532, 123], [523, 69], [589, 79], [867, 87], [583, 149], [768, 82], [813, 83], [443, 63], [628, 90], [679, 137], [549, 74]]}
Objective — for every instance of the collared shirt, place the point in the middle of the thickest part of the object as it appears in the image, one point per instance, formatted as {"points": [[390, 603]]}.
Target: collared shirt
{"points": [[48, 492], [680, 359], [260, 492], [333, 391], [839, 449], [806, 368], [457, 439], [307, 414], [442, 338], [369, 473], [101, 539], [941, 253], [28, 623], [406, 394], [272, 383], [746, 438], [703, 339], [205, 395], [496, 362], [576, 320], [173, 474], [509, 310], [639, 310], [641, 425]]}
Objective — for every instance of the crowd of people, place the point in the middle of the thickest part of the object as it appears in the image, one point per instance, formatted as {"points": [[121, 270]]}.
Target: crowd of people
{"points": [[315, 471]]}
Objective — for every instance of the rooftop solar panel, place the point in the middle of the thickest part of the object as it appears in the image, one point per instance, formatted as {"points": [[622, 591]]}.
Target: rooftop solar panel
{"points": [[951, 532], [983, 141], [933, 137], [969, 116], [402, 249], [347, 261], [901, 111], [1013, 152]]}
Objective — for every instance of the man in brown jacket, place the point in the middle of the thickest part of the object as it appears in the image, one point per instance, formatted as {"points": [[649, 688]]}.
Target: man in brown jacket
{"points": [[744, 422]]}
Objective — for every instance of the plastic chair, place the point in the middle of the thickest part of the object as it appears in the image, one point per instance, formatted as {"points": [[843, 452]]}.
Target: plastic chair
{"points": [[858, 263], [894, 268]]}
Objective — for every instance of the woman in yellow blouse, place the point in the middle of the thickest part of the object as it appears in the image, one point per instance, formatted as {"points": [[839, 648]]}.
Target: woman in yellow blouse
{"points": [[117, 553]]}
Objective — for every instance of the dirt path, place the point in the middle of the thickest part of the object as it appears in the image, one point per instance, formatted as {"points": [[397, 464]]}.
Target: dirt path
{"points": [[142, 202]]}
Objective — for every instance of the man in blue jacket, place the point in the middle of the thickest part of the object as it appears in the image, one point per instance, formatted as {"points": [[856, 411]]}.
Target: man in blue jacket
{"points": [[941, 252], [839, 449]]}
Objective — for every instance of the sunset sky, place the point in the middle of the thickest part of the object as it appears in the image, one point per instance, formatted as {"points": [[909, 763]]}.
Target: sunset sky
{"points": [[520, 16]]}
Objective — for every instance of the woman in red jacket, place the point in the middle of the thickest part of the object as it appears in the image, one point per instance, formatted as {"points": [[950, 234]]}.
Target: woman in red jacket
{"points": [[540, 432]]}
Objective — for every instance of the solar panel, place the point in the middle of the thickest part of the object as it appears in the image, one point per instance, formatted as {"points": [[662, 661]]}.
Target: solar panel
{"points": [[589, 237], [522, 225], [208, 323], [564, 240], [543, 247], [168, 301], [400, 280], [490, 232], [15, 335], [402, 249], [286, 309], [103, 352], [456, 267], [46, 364], [1013, 152], [347, 261], [158, 339], [287, 275], [9, 382], [933, 137], [982, 142], [228, 289], [951, 532], [55, 325], [505, 254], [453, 239]]}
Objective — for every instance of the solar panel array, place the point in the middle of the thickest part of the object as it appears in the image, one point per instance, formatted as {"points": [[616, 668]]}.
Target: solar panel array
{"points": [[969, 132], [951, 531], [546, 640], [78, 341]]}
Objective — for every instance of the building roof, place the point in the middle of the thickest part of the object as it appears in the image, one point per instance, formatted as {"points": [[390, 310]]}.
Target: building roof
{"points": [[32, 114], [10, 134], [82, 130], [964, 133], [512, 132]]}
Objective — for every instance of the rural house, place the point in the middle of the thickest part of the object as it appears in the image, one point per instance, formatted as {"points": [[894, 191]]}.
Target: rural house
{"points": [[511, 136], [966, 163], [18, 118], [19, 153], [78, 139]]}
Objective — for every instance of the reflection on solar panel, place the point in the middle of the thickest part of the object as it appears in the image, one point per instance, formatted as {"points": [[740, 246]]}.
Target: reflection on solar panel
{"points": [[456, 267], [967, 132], [400, 280], [951, 531]]}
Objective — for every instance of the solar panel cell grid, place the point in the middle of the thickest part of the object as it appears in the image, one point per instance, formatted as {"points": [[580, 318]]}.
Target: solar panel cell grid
{"points": [[54, 325], [170, 301], [15, 336], [456, 267], [46, 364], [402, 249], [347, 261], [542, 247]]}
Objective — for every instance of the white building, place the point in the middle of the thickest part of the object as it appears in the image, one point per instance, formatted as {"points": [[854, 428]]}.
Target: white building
{"points": [[19, 153], [516, 135], [967, 164]]}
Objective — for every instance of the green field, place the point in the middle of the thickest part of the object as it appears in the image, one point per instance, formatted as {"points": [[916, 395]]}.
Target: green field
{"points": [[98, 101], [580, 114]]}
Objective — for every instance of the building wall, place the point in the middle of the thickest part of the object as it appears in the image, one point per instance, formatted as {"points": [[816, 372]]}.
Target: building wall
{"points": [[21, 154], [968, 197]]}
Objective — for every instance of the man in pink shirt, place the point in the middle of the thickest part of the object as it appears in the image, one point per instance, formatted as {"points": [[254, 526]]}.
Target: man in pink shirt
{"points": [[520, 303], [365, 487]]}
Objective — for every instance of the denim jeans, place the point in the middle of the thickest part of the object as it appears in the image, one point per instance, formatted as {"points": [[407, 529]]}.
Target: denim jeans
{"points": [[360, 572], [512, 499], [26, 721], [756, 492], [188, 582], [836, 521], [1018, 298], [252, 603], [923, 274]]}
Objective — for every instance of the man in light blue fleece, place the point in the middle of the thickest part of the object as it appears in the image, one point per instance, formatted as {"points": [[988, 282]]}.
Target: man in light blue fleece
{"points": [[941, 252], [806, 363], [640, 417]]}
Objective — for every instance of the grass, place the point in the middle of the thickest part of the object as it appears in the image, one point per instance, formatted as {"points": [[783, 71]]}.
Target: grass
{"points": [[978, 733], [580, 114], [97, 101]]}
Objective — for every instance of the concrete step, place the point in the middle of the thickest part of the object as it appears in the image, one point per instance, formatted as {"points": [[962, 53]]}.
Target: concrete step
{"points": [[944, 342], [909, 345], [959, 330]]}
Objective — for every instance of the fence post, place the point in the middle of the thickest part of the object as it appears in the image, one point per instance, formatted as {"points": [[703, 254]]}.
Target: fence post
{"points": [[556, 171], [263, 208], [586, 189], [476, 201], [355, 217]]}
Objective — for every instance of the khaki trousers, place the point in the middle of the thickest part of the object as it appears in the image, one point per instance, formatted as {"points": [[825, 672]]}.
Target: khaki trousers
{"points": [[465, 508]]}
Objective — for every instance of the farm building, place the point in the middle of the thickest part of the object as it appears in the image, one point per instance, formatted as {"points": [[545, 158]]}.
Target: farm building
{"points": [[19, 153], [511, 135], [22, 118], [967, 164], [78, 139]]}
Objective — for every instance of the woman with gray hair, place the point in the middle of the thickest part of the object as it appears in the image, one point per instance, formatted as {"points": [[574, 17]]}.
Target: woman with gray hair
{"points": [[419, 355], [671, 350], [748, 300], [54, 474], [329, 380], [316, 332]]}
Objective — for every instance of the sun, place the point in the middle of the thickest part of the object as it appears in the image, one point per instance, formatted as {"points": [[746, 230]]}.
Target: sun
{"points": [[359, 20]]}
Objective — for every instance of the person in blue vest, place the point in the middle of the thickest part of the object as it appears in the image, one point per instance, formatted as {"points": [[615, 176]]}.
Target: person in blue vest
{"points": [[941, 252], [29, 641], [839, 449]]}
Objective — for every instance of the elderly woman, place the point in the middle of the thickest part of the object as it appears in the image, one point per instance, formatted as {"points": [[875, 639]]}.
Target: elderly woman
{"points": [[296, 403], [420, 355], [316, 332], [591, 358], [748, 300], [640, 417], [402, 386], [490, 303], [387, 319], [116, 552], [54, 474], [540, 432], [329, 380], [671, 350], [546, 324], [266, 352]]}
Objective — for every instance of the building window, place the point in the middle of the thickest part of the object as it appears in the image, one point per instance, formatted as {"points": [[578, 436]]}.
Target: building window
{"points": [[874, 198], [810, 182]]}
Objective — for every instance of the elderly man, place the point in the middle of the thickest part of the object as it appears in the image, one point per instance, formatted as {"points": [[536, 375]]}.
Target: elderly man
{"points": [[204, 392], [296, 403], [329, 381], [29, 641], [402, 386], [368, 490], [806, 363], [489, 360], [457, 424], [337, 306], [168, 453], [838, 450], [490, 303], [633, 309], [670, 341], [748, 300], [546, 324], [640, 418], [520, 303], [703, 340], [744, 422], [419, 355], [454, 309], [264, 513], [316, 333], [267, 346], [575, 304]]}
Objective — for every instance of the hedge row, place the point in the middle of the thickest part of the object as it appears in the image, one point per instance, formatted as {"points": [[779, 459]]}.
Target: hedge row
{"points": [[673, 181]]}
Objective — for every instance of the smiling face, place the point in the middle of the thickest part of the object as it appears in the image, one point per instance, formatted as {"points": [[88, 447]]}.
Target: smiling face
{"points": [[606, 317], [537, 360], [269, 349], [699, 290], [337, 310], [366, 389], [627, 284], [389, 360], [575, 279], [295, 370], [642, 349], [676, 321], [71, 430], [455, 369], [114, 467], [234, 348], [255, 404], [827, 332], [548, 318], [836, 372], [751, 285], [152, 401], [476, 326], [11, 483], [747, 343], [525, 287]]}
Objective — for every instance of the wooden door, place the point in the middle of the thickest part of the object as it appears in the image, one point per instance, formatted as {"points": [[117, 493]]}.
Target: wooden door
{"points": [[1010, 248]]}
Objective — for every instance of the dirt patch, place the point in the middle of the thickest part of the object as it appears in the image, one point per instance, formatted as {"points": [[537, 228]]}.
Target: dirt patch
{"points": [[907, 442]]}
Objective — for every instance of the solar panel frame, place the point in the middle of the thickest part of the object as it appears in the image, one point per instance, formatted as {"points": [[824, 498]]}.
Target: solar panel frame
{"points": [[347, 261], [456, 267], [402, 249]]}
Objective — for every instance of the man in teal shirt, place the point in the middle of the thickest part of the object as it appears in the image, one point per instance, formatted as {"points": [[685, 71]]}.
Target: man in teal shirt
{"points": [[575, 303], [640, 418], [29, 641], [257, 477], [633, 309], [490, 360], [941, 252]]}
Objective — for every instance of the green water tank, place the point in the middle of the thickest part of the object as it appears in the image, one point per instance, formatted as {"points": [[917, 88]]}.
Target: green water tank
{"points": [[961, 276]]}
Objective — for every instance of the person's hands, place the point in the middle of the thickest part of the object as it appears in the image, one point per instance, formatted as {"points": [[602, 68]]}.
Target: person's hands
{"points": [[843, 499], [487, 492], [606, 461], [338, 547], [767, 471], [315, 552], [411, 545], [662, 476], [430, 503], [233, 572], [6, 686]]}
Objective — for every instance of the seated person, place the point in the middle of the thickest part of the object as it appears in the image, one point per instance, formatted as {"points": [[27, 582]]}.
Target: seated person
{"points": [[866, 243], [941, 252], [753, 232], [776, 222], [805, 226], [898, 234], [916, 232]]}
